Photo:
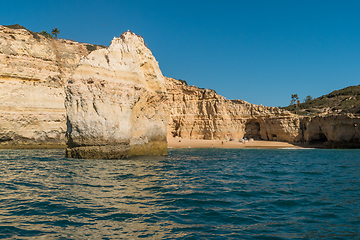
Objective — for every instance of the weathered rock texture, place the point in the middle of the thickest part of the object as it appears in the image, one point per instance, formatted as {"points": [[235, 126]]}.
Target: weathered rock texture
{"points": [[335, 131], [116, 103], [32, 72], [202, 114]]}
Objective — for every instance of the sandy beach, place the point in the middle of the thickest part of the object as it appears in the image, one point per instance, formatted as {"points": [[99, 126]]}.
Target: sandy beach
{"points": [[198, 143]]}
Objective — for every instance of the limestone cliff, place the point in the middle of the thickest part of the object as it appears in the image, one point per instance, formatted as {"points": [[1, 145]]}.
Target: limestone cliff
{"points": [[335, 131], [116, 103], [203, 114], [33, 70], [32, 73]]}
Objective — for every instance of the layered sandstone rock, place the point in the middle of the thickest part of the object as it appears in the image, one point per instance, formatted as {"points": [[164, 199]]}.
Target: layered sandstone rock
{"points": [[116, 103], [335, 131], [32, 72], [203, 114]]}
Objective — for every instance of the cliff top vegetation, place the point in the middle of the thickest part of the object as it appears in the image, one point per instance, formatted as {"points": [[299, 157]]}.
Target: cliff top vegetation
{"points": [[343, 101], [90, 47]]}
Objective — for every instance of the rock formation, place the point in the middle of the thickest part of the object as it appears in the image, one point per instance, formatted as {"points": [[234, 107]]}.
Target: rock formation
{"points": [[203, 114], [32, 72], [335, 131], [116, 103]]}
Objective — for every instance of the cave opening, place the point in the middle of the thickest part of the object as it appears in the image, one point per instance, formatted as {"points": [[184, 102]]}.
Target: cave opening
{"points": [[320, 138], [175, 132], [252, 130]]}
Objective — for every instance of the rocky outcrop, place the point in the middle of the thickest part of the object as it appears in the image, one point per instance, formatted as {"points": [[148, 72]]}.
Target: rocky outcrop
{"points": [[203, 114], [32, 73], [116, 103], [33, 70], [334, 131]]}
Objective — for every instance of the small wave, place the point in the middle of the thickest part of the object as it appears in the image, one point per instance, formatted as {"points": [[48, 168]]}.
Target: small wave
{"points": [[192, 193]]}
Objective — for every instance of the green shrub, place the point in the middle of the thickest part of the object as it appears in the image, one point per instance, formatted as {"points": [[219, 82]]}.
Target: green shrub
{"points": [[46, 34], [90, 47], [346, 100], [93, 47], [35, 35], [16, 26]]}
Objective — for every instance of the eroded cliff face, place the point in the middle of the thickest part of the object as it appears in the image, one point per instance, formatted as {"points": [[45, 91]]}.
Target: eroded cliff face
{"points": [[116, 103], [203, 114], [334, 131], [32, 73], [33, 70]]}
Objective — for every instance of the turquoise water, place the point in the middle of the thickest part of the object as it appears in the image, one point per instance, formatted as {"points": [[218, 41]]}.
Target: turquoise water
{"points": [[190, 194]]}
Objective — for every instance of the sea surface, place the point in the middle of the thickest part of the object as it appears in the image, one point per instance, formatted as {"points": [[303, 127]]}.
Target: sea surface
{"points": [[190, 194]]}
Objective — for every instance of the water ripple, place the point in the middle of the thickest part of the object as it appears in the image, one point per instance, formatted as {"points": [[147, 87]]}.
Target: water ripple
{"points": [[190, 194]]}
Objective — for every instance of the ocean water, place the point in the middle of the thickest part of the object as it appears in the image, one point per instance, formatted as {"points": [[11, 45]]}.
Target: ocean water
{"points": [[190, 194]]}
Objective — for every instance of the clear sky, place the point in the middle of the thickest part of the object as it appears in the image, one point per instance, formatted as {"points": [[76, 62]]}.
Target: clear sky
{"points": [[258, 51]]}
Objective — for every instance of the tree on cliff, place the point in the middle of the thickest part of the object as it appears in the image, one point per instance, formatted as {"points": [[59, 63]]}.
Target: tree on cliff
{"points": [[55, 32], [294, 98], [308, 98]]}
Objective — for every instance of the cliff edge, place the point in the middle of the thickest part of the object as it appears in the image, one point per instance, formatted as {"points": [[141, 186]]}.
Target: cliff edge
{"points": [[116, 103], [33, 69], [198, 113]]}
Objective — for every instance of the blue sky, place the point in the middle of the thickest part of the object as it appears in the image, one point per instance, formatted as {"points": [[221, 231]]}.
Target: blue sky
{"points": [[258, 51]]}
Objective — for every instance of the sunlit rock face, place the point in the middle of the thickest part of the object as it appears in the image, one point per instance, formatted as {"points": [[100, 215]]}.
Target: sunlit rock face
{"points": [[198, 113], [32, 73], [335, 131], [127, 80], [116, 103]]}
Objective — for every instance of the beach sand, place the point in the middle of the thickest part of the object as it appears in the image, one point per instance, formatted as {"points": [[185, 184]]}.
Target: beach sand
{"points": [[199, 143]]}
